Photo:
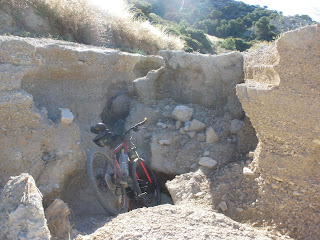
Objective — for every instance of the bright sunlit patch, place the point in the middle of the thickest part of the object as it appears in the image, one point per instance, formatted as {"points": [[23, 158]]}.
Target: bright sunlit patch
{"points": [[115, 7]]}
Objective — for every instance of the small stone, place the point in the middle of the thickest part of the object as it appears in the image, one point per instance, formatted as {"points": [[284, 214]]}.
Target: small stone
{"points": [[178, 124], [206, 154], [182, 113], [182, 131], [186, 127], [196, 125], [316, 141], [208, 162], [159, 124], [194, 165], [191, 134], [66, 116], [199, 194], [235, 126], [164, 142], [247, 172], [239, 209], [164, 126], [201, 137], [171, 127], [296, 193], [223, 206], [251, 154], [212, 136]]}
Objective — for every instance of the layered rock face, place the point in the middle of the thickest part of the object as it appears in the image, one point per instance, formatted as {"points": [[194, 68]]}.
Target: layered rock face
{"points": [[281, 97], [207, 80], [51, 92]]}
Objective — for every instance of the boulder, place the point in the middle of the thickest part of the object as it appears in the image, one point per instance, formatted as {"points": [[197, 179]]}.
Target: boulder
{"points": [[21, 211], [190, 187]]}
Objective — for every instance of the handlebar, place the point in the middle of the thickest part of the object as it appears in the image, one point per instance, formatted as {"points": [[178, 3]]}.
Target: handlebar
{"points": [[135, 127]]}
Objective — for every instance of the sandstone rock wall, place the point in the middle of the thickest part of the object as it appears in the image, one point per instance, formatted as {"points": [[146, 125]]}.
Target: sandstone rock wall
{"points": [[208, 80], [37, 77], [281, 97]]}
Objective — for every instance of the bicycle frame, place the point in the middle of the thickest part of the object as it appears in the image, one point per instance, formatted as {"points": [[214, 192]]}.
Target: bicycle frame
{"points": [[123, 145]]}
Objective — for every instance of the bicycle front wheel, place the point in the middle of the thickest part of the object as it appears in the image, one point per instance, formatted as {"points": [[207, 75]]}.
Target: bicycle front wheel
{"points": [[100, 168], [145, 183]]}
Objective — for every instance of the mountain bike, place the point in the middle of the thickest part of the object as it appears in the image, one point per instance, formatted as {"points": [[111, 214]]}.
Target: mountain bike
{"points": [[121, 174]]}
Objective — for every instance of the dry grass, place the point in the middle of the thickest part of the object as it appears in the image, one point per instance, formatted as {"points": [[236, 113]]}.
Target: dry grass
{"points": [[99, 22]]}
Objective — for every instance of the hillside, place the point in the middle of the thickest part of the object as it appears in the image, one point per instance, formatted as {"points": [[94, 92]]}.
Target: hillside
{"points": [[90, 22], [240, 24]]}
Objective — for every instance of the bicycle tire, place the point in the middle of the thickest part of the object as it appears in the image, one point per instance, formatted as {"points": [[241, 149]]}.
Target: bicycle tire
{"points": [[113, 201], [145, 183]]}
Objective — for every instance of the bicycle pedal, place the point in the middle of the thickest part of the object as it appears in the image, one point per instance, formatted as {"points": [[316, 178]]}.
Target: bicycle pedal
{"points": [[141, 195]]}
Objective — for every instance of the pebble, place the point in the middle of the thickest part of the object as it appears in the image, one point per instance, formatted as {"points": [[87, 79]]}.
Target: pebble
{"points": [[201, 137], [178, 124], [247, 172], [196, 125], [191, 134], [223, 206], [206, 154], [208, 162], [211, 136], [164, 142]]}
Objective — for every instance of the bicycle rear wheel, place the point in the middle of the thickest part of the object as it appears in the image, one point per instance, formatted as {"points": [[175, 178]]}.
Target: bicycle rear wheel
{"points": [[145, 183], [113, 200]]}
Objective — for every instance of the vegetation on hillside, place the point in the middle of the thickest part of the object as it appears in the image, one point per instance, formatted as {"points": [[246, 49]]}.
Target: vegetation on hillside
{"points": [[239, 24], [86, 21], [147, 25]]}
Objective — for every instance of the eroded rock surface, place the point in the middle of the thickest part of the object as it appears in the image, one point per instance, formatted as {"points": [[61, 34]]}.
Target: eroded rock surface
{"points": [[281, 97], [40, 77], [21, 211], [175, 222], [208, 80]]}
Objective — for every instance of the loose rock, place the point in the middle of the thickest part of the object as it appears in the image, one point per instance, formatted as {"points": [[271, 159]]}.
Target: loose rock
{"points": [[211, 136], [223, 206], [57, 215], [247, 172], [66, 116], [191, 134], [208, 162], [182, 113], [164, 142], [235, 126], [196, 125], [178, 124]]}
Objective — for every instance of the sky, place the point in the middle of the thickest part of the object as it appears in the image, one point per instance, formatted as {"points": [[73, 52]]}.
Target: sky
{"points": [[291, 7]]}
